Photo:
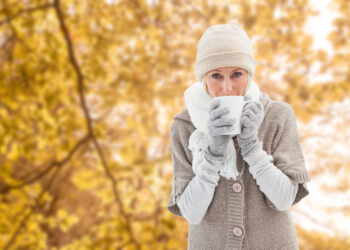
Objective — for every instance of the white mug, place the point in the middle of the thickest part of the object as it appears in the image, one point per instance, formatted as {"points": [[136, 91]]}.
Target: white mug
{"points": [[235, 105]]}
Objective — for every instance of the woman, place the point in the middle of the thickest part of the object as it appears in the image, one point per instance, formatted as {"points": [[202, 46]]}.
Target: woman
{"points": [[235, 192]]}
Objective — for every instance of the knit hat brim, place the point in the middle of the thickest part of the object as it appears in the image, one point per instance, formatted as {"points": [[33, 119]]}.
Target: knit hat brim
{"points": [[217, 60]]}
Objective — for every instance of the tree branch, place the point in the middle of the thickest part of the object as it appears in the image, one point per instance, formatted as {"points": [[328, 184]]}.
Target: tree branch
{"points": [[32, 9], [80, 86], [15, 33], [54, 164], [31, 211]]}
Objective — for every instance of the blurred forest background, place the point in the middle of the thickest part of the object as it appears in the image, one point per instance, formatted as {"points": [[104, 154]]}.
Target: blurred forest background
{"points": [[88, 91]]}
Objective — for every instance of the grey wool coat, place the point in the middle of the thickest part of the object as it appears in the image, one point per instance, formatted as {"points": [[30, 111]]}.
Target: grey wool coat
{"points": [[259, 223]]}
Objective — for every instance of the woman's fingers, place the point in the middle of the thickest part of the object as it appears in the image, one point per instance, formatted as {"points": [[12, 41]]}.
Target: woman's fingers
{"points": [[254, 106], [214, 104], [222, 130], [260, 106], [249, 113], [223, 121], [218, 113], [220, 124], [246, 123]]}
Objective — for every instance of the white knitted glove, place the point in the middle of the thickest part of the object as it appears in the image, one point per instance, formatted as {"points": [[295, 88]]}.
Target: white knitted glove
{"points": [[218, 124], [251, 119]]}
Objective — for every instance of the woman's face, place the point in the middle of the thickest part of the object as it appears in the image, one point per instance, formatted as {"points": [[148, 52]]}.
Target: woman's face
{"points": [[226, 81]]}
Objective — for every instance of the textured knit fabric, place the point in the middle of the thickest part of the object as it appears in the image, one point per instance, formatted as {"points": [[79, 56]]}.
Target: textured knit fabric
{"points": [[227, 166], [224, 45], [275, 184], [195, 199], [249, 210]]}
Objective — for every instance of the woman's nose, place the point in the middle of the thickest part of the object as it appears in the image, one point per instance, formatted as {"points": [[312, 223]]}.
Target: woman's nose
{"points": [[228, 86]]}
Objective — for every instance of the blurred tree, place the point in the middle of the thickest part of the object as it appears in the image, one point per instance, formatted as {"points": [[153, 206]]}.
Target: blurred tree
{"points": [[119, 68]]}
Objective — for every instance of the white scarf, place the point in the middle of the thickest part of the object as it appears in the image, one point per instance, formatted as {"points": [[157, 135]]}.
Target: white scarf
{"points": [[197, 103]]}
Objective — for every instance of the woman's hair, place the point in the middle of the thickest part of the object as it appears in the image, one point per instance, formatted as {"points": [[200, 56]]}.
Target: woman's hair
{"points": [[205, 84]]}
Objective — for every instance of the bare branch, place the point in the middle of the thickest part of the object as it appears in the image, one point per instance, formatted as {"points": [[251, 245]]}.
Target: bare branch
{"points": [[15, 33], [54, 164], [32, 9], [80, 83], [32, 210]]}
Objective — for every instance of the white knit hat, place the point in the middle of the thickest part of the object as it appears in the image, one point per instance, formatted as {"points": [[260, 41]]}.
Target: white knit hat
{"points": [[224, 45]]}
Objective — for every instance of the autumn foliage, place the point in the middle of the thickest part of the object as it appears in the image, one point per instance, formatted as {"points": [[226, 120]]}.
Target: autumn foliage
{"points": [[88, 90]]}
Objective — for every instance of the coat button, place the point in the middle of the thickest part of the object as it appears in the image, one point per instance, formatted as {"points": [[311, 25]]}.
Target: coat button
{"points": [[237, 231], [237, 187]]}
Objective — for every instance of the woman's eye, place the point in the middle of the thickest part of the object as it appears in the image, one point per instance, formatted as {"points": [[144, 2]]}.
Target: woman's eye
{"points": [[217, 76], [237, 74], [213, 75]]}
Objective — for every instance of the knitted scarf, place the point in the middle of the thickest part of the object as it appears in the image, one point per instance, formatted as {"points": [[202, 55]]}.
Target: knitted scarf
{"points": [[197, 103]]}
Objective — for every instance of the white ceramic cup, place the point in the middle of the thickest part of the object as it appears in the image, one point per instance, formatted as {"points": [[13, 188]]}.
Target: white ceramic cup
{"points": [[235, 105]]}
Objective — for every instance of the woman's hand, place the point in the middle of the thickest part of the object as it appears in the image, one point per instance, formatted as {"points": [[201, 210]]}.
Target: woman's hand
{"points": [[219, 123], [251, 119]]}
